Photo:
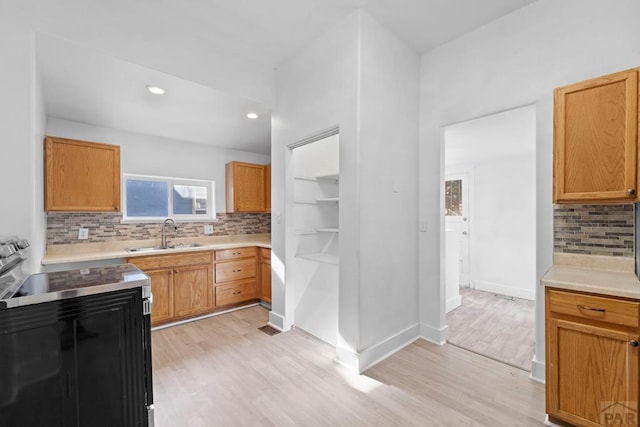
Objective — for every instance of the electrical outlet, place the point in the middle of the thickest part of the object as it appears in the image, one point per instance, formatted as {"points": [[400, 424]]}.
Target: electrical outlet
{"points": [[83, 233], [208, 229]]}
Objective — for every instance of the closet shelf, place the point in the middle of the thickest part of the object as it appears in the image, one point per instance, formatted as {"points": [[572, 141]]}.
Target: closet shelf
{"points": [[328, 230], [321, 257], [330, 177], [329, 200]]}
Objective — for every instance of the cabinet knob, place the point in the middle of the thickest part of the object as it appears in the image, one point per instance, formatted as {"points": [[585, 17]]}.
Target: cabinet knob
{"points": [[631, 192], [633, 343]]}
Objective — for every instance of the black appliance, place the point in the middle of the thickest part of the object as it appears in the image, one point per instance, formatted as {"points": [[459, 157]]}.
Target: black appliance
{"points": [[75, 349]]}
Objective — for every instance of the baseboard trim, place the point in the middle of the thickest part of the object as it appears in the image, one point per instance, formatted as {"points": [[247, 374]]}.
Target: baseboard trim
{"points": [[382, 350], [347, 358], [276, 320], [453, 303], [434, 335], [206, 316], [505, 290], [537, 371]]}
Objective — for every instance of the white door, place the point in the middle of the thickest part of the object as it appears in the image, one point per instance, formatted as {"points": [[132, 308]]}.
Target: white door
{"points": [[456, 194]]}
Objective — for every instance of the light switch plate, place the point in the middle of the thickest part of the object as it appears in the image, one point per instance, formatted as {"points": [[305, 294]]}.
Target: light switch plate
{"points": [[83, 233], [208, 229]]}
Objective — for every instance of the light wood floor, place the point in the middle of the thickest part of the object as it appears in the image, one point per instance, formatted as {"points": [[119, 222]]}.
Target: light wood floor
{"points": [[222, 371], [495, 326]]}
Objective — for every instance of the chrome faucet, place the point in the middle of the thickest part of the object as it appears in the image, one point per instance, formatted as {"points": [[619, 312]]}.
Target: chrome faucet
{"points": [[164, 231]]}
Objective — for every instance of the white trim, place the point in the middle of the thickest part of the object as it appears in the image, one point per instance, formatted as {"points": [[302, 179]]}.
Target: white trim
{"points": [[453, 303], [434, 335], [347, 358], [382, 350], [537, 371], [497, 288], [277, 321], [326, 133]]}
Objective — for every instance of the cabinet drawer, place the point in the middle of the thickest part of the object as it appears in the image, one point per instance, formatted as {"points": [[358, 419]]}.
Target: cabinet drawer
{"points": [[235, 270], [265, 253], [155, 262], [601, 309], [236, 253], [237, 292]]}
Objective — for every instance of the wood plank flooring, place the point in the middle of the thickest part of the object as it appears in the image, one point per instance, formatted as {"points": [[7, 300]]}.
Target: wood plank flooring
{"points": [[496, 326], [223, 371]]}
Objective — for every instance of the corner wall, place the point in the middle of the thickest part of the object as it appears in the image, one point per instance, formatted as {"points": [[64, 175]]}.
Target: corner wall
{"points": [[22, 107], [361, 77], [514, 61]]}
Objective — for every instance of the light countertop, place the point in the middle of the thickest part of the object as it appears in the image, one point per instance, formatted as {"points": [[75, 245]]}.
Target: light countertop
{"points": [[80, 252], [595, 274]]}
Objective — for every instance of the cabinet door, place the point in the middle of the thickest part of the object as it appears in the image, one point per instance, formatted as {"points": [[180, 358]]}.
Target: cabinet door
{"points": [[596, 139], [81, 176], [192, 288], [265, 281], [245, 187], [592, 373], [162, 290]]}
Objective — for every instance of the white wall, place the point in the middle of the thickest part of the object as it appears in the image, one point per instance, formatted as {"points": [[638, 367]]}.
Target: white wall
{"points": [[317, 89], [388, 190], [152, 155], [516, 60], [21, 146], [498, 152], [362, 78]]}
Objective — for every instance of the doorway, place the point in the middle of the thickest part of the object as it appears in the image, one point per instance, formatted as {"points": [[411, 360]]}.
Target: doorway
{"points": [[489, 237]]}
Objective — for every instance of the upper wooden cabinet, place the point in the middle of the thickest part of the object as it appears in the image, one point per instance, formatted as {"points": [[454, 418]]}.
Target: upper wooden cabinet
{"points": [[596, 140], [81, 176], [245, 187], [267, 187]]}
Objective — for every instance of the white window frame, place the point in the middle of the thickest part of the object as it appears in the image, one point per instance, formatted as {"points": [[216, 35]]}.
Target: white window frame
{"points": [[171, 182]]}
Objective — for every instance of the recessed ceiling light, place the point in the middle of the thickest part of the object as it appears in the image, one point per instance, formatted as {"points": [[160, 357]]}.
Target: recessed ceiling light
{"points": [[252, 116], [156, 90]]}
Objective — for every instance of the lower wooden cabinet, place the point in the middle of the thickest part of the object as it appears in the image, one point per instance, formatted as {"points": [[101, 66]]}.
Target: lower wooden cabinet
{"points": [[592, 358], [162, 290], [235, 276], [191, 284], [182, 285], [265, 275], [191, 290]]}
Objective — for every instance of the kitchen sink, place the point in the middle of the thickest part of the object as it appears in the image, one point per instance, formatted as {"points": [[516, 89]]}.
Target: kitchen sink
{"points": [[163, 248]]}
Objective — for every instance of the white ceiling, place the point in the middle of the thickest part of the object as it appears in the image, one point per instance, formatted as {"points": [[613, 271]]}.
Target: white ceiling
{"points": [[230, 47]]}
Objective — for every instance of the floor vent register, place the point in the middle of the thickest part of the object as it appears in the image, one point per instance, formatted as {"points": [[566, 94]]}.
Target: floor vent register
{"points": [[269, 330]]}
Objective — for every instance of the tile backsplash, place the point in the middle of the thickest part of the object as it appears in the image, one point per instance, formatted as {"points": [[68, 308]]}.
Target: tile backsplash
{"points": [[62, 228], [594, 229]]}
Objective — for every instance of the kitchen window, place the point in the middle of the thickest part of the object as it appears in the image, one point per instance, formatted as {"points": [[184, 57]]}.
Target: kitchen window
{"points": [[149, 198]]}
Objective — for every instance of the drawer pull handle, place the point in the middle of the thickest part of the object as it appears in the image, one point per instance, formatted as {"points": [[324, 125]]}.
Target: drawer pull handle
{"points": [[584, 307], [633, 343], [236, 253], [237, 292], [237, 271]]}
